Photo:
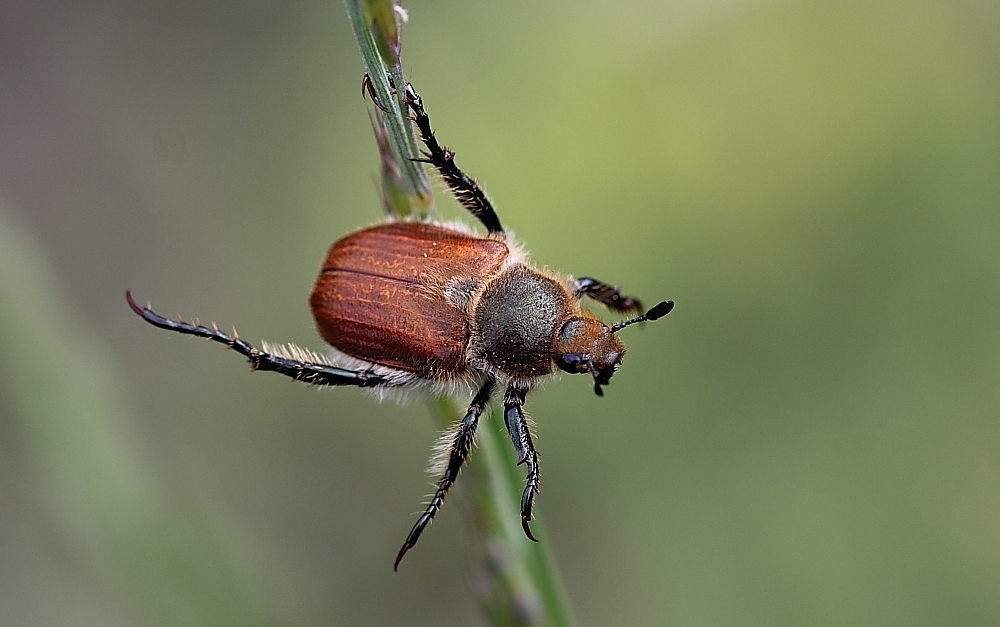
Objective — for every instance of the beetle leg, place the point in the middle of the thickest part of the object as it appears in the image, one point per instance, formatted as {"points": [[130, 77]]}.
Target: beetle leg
{"points": [[517, 427], [314, 373], [366, 86], [466, 190], [607, 295], [465, 436]]}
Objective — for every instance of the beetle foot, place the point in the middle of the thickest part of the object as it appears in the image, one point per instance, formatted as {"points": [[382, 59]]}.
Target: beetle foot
{"points": [[527, 529], [366, 86], [399, 557]]}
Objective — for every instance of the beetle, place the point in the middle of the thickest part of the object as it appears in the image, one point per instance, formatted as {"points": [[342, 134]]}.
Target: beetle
{"points": [[413, 304]]}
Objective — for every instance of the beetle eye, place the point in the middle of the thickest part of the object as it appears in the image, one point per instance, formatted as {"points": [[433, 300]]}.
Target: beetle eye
{"points": [[571, 362]]}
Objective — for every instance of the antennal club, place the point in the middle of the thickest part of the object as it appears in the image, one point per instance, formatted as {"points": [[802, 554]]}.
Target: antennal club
{"points": [[657, 312]]}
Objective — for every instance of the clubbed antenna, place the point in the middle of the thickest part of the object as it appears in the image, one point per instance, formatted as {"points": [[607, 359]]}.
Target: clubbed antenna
{"points": [[657, 312]]}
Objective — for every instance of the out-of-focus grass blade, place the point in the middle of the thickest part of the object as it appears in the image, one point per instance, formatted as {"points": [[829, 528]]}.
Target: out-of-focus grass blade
{"points": [[111, 514]]}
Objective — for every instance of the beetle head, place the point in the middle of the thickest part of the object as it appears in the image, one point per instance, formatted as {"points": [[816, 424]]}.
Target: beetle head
{"points": [[586, 344]]}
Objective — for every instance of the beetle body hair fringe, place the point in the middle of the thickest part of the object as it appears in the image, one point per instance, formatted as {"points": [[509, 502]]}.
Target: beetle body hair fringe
{"points": [[295, 353], [441, 453], [403, 387]]}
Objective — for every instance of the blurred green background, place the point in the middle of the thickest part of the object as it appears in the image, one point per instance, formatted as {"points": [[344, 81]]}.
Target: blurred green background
{"points": [[811, 438]]}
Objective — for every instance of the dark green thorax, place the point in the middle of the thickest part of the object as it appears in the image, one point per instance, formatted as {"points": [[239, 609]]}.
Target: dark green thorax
{"points": [[516, 319]]}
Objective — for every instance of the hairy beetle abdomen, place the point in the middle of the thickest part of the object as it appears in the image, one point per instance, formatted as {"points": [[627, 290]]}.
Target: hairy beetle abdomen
{"points": [[379, 296]]}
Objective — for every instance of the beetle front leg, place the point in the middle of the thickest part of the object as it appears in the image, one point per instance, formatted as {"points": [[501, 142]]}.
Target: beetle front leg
{"points": [[308, 372], [461, 445], [607, 295], [517, 427]]}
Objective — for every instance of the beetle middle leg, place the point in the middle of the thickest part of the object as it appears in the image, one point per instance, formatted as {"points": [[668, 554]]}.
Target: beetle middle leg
{"points": [[607, 295], [308, 372], [465, 189], [461, 445], [517, 427]]}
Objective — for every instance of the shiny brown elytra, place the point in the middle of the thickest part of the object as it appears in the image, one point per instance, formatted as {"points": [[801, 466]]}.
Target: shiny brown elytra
{"points": [[418, 305]]}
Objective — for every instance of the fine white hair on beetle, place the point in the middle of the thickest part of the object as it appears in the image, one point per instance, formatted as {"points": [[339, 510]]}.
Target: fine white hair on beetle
{"points": [[295, 353], [532, 427], [441, 453]]}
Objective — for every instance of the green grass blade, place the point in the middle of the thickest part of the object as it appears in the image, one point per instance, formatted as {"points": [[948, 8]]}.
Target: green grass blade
{"points": [[524, 587], [402, 140]]}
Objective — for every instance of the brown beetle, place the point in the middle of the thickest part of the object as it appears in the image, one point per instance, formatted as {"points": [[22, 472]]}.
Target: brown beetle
{"points": [[410, 304]]}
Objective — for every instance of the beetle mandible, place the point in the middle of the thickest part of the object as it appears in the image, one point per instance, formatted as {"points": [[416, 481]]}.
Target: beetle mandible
{"points": [[416, 304]]}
